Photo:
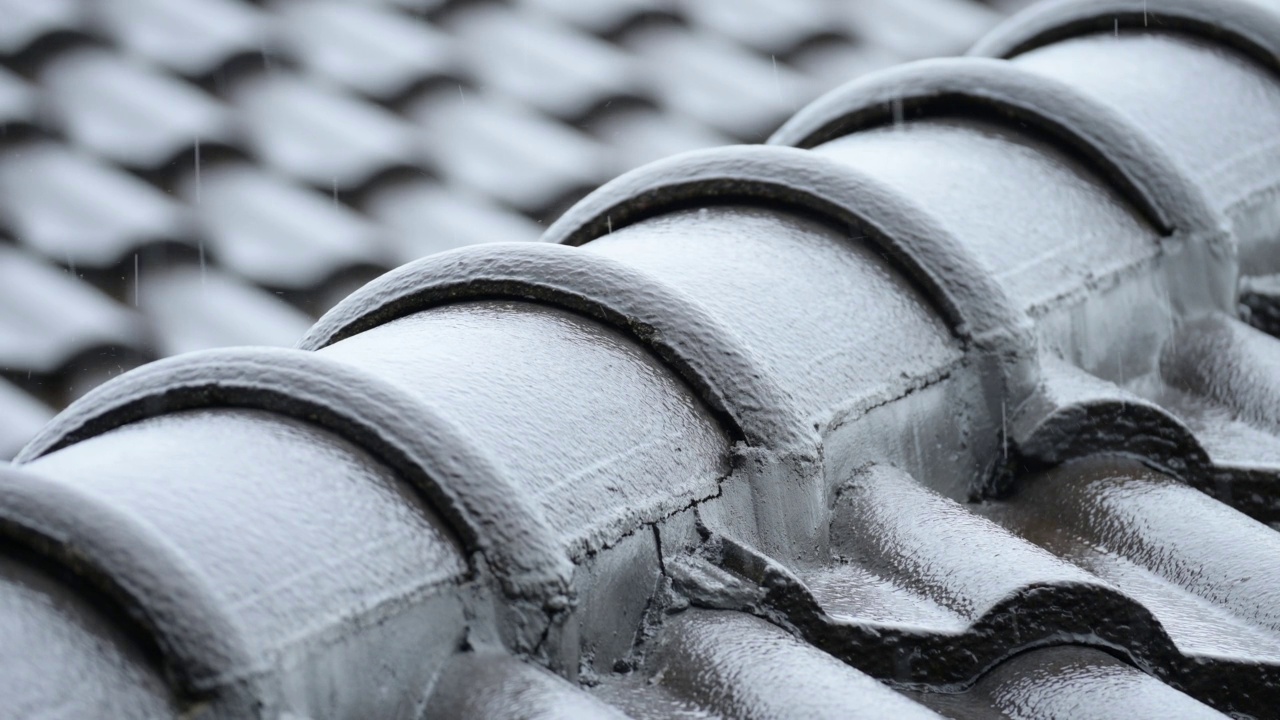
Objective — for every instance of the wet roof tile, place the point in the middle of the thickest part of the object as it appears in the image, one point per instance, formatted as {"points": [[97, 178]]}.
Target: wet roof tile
{"points": [[606, 17], [638, 135], [423, 217], [918, 29], [375, 51], [1064, 683], [17, 102], [723, 85], [277, 233], [80, 211], [21, 416], [192, 37], [772, 28], [544, 64], [721, 462], [502, 149], [320, 135], [52, 316], [191, 308], [128, 113], [27, 22]]}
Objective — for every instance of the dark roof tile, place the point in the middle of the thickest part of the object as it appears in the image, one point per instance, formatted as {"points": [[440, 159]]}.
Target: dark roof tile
{"points": [[1041, 184], [253, 566], [496, 686], [1067, 682], [805, 258], [735, 665], [833, 63], [46, 619], [906, 414], [1144, 75], [585, 374]]}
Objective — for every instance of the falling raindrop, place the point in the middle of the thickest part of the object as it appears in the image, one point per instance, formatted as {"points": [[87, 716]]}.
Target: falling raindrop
{"points": [[197, 161], [777, 84], [1004, 432], [203, 265]]}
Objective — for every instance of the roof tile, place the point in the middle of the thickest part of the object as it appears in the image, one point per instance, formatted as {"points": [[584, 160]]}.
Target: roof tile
{"points": [[78, 210], [128, 113]]}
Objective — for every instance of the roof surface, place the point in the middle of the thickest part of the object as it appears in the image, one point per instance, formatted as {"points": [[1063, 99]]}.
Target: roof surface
{"points": [[954, 399], [206, 173]]}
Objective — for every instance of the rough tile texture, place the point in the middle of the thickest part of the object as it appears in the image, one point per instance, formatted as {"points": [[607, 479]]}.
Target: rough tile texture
{"points": [[949, 401], [221, 172]]}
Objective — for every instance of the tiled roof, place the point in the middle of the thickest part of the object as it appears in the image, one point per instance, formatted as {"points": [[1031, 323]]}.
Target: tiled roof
{"points": [[945, 402], [294, 149]]}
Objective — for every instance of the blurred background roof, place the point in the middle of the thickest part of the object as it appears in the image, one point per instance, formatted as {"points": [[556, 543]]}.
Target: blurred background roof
{"points": [[184, 174]]}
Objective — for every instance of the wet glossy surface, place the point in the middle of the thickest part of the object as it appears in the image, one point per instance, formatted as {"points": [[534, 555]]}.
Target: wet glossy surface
{"points": [[1024, 223], [42, 625], [527, 501], [1231, 163], [507, 111], [287, 555], [775, 279], [1061, 683], [616, 438]]}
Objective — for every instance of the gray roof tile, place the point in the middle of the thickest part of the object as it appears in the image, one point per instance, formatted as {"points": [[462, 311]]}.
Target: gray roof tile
{"points": [[276, 233], [320, 135], [192, 308], [52, 317], [606, 17], [27, 22], [544, 64], [21, 416], [918, 29], [771, 28], [192, 37], [375, 51], [75, 209], [129, 113], [716, 82], [422, 217], [17, 103], [501, 149], [905, 414]]}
